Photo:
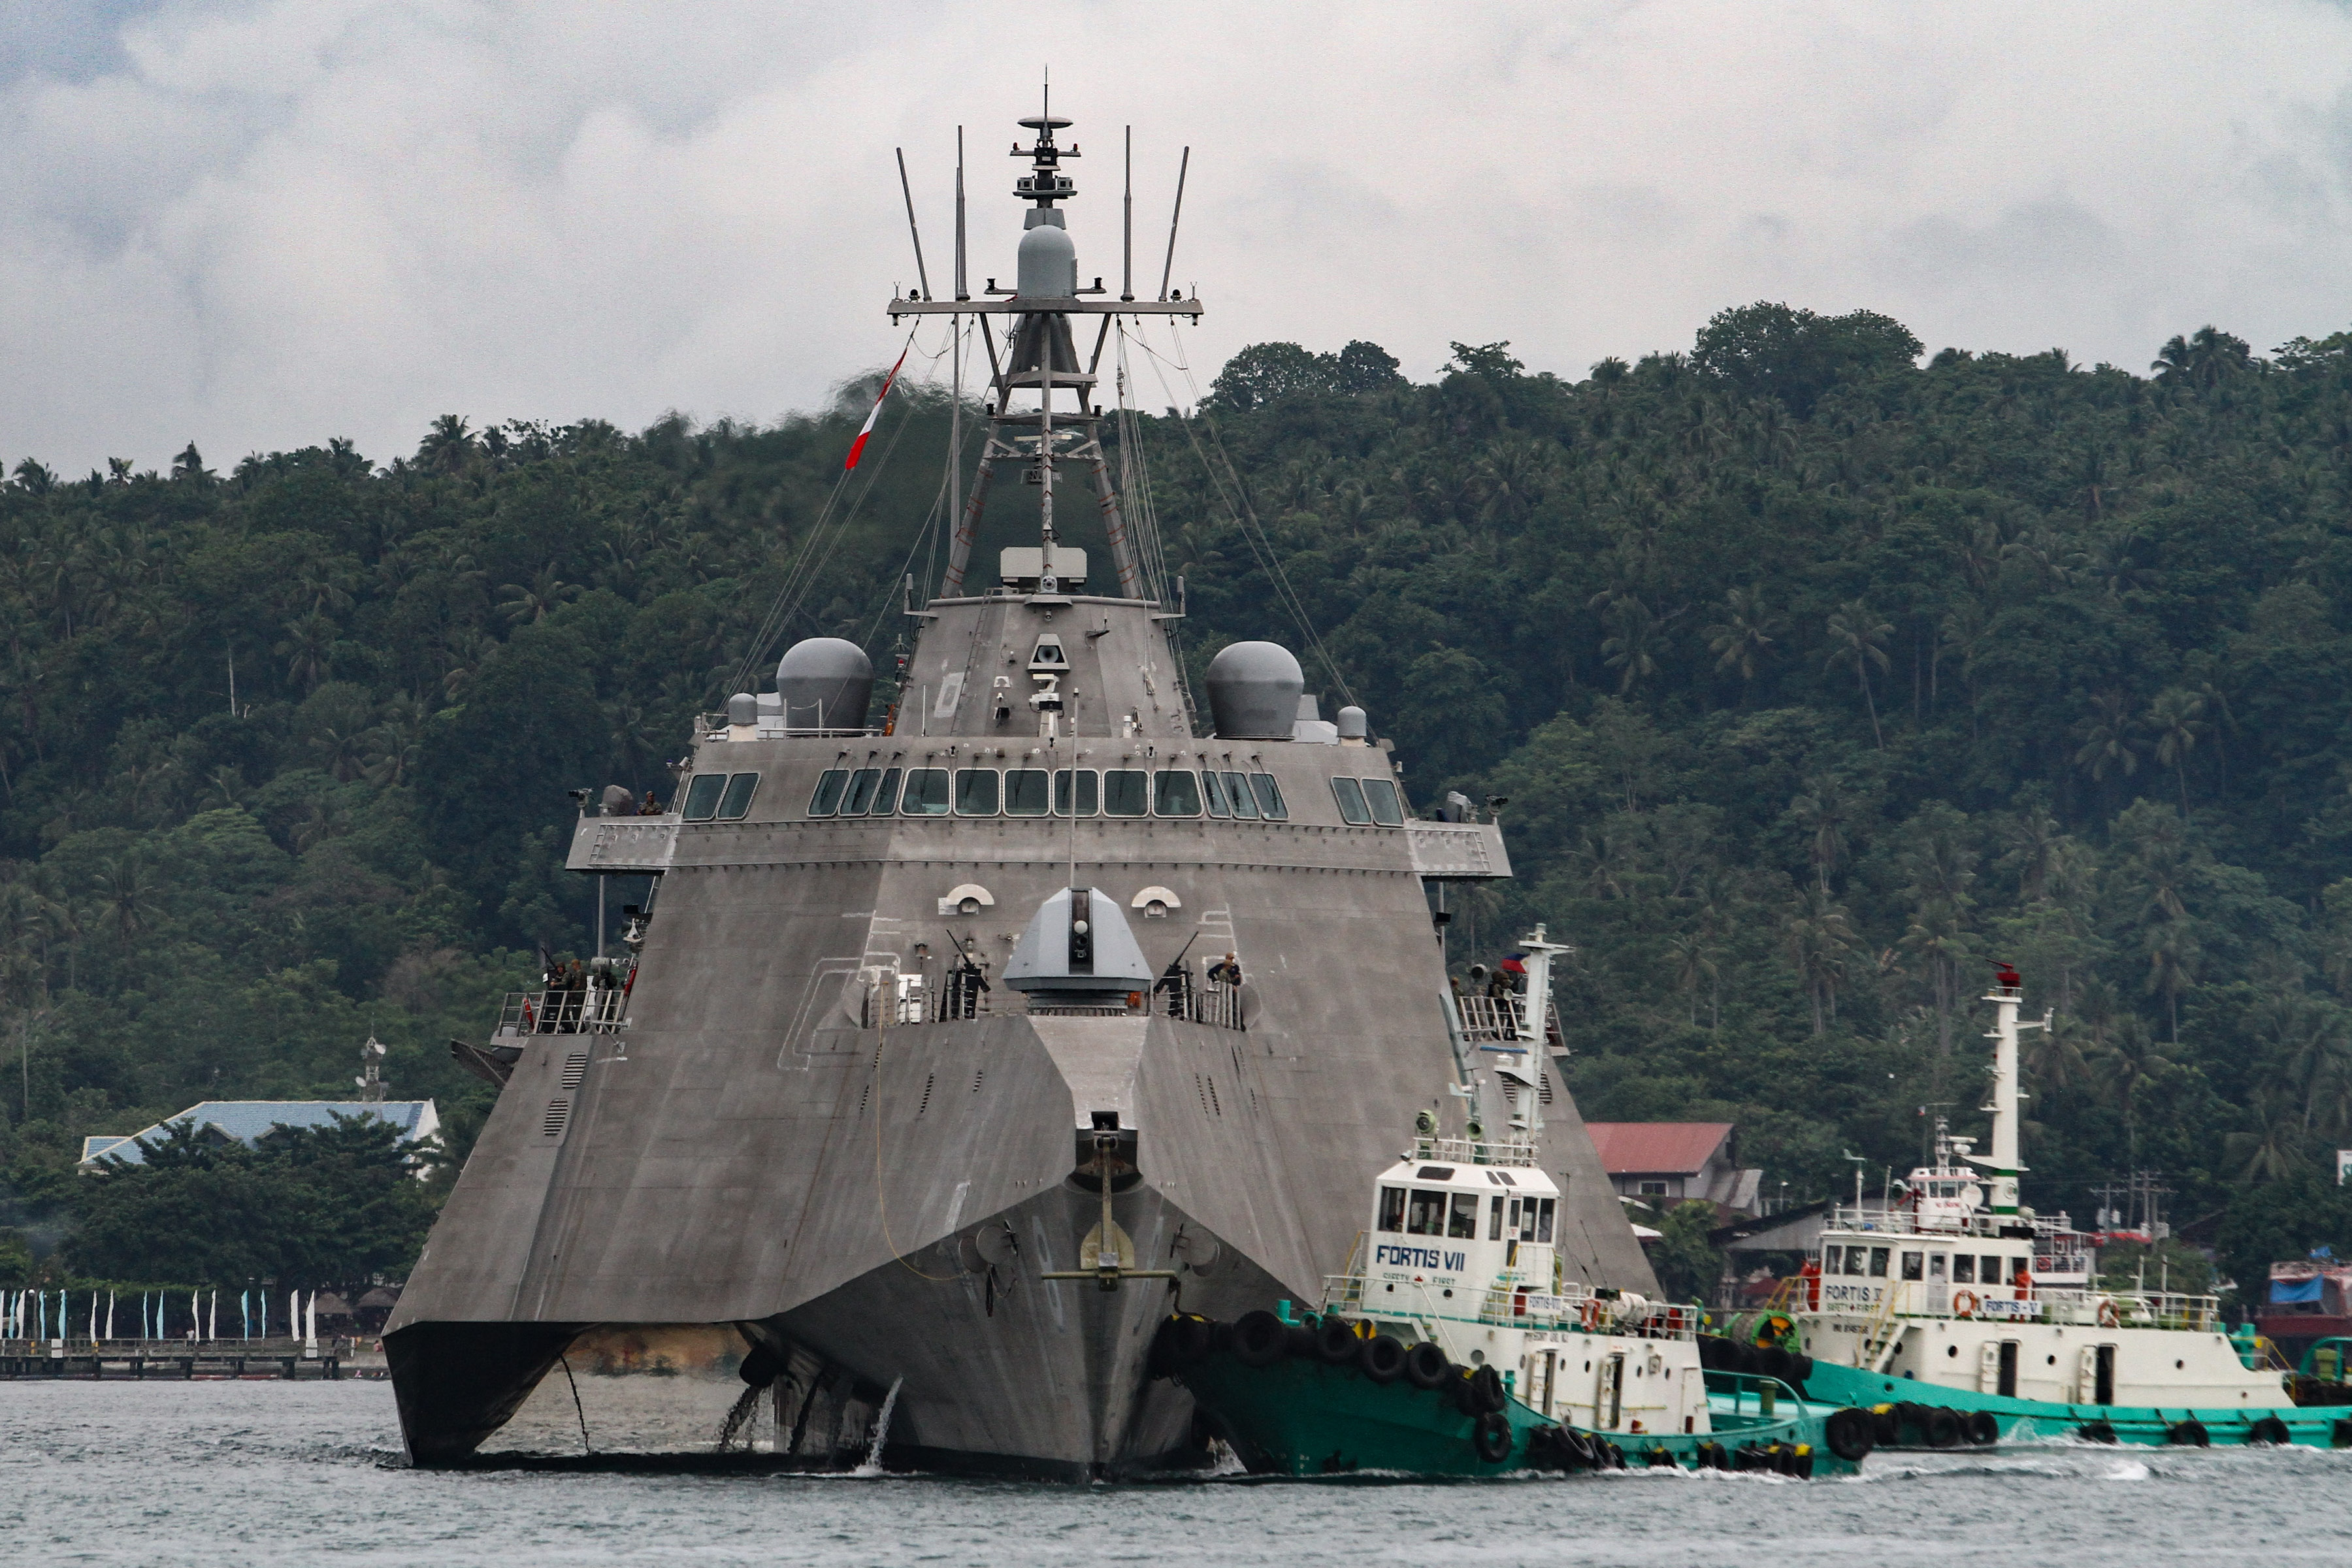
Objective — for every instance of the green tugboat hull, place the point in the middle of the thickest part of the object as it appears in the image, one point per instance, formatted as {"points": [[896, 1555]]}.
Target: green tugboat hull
{"points": [[1305, 1417], [2022, 1419]]}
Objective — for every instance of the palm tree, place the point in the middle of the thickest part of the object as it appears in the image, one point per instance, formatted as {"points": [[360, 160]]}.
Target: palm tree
{"points": [[2172, 955], [308, 649], [1823, 814], [1740, 642], [1819, 939], [532, 601], [2108, 737], [1856, 639], [128, 904], [1628, 649], [2273, 1147], [448, 447], [2128, 1063], [2176, 718], [1694, 959]]}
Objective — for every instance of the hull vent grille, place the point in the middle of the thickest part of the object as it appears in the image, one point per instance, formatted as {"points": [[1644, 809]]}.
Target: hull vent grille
{"points": [[559, 1113], [576, 1068]]}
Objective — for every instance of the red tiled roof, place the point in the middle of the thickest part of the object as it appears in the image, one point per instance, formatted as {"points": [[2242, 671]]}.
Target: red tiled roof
{"points": [[1657, 1148]]}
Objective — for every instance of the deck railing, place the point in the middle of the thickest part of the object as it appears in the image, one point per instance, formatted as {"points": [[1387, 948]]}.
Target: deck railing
{"points": [[599, 1009]]}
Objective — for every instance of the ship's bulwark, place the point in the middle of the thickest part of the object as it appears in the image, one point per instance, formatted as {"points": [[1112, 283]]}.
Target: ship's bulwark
{"points": [[880, 1202]]}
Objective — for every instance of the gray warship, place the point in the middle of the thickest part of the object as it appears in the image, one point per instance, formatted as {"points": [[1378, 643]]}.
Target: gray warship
{"points": [[950, 1053]]}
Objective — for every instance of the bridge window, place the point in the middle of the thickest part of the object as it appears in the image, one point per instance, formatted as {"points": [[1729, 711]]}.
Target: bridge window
{"points": [[975, 792], [1392, 1208], [885, 795], [1176, 793], [1127, 792], [1387, 806], [1213, 791], [1025, 792], [1547, 1210], [1878, 1255], [1351, 803], [1855, 1258], [1090, 789], [736, 802], [860, 798], [825, 801], [1427, 1215], [927, 793], [1963, 1269], [1461, 1224], [1831, 1256], [1911, 1263], [1269, 797], [1936, 1265], [1237, 788]]}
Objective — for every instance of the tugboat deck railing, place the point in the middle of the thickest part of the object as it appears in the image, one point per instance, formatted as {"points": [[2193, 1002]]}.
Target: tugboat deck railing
{"points": [[1475, 1152], [1515, 1302]]}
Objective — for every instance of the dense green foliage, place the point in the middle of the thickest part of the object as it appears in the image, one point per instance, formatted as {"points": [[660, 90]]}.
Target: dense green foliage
{"points": [[1815, 678]]}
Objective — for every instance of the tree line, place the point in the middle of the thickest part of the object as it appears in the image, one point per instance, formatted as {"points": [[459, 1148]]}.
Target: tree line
{"points": [[1816, 674]]}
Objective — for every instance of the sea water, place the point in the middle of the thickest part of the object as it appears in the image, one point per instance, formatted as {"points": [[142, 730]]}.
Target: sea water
{"points": [[266, 1473]]}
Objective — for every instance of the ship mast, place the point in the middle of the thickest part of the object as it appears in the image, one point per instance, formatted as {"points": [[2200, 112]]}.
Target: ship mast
{"points": [[1041, 357], [2002, 1165]]}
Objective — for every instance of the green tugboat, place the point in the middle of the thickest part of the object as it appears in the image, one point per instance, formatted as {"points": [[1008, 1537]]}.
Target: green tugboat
{"points": [[1956, 1310], [1453, 1345]]}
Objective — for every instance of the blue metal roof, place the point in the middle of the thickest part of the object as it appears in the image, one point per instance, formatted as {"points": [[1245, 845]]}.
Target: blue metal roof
{"points": [[247, 1120]]}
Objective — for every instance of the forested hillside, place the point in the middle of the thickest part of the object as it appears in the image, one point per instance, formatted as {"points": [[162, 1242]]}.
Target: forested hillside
{"points": [[1815, 680]]}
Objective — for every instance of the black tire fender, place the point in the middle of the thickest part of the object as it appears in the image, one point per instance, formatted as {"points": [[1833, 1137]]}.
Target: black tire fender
{"points": [[1491, 1438], [1941, 1428], [1261, 1339], [1981, 1428], [2189, 1434], [1426, 1365], [1336, 1344], [1848, 1433], [1382, 1358]]}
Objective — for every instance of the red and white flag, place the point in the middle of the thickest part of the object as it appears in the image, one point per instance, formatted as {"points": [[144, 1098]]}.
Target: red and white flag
{"points": [[858, 445]]}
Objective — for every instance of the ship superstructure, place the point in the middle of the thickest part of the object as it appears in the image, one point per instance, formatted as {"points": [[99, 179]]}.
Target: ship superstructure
{"points": [[950, 1051]]}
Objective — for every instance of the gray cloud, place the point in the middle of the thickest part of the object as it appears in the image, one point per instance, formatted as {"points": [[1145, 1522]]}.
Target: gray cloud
{"points": [[261, 225]]}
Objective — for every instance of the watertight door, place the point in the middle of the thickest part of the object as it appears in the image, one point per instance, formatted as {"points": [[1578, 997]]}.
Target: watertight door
{"points": [[1609, 1403], [2103, 1376], [1988, 1367], [1540, 1375], [2008, 1389]]}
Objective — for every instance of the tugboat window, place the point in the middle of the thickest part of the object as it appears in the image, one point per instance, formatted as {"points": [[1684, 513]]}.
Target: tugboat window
{"points": [[927, 793], [1089, 787], [1964, 1269], [1387, 807], [1878, 1262], [1237, 785], [860, 798], [1176, 793], [1494, 1218], [1544, 1214], [1213, 791], [1462, 1224], [975, 792], [1351, 803], [1126, 793], [1527, 1219], [1427, 1217], [823, 803], [1269, 798], [1854, 1262], [1935, 1267], [1911, 1262], [1830, 1256], [1025, 791], [886, 798], [736, 802], [1392, 1209], [1992, 1271]]}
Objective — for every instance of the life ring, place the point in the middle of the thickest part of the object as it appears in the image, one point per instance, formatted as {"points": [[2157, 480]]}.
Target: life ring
{"points": [[1964, 1304], [1591, 1315], [2108, 1316]]}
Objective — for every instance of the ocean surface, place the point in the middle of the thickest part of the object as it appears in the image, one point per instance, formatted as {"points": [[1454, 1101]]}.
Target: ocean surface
{"points": [[247, 1473]]}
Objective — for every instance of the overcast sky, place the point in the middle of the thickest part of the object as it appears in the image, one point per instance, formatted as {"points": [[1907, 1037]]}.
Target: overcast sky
{"points": [[258, 225]]}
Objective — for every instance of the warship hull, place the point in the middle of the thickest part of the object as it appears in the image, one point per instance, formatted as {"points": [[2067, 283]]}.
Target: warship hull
{"points": [[806, 1114]]}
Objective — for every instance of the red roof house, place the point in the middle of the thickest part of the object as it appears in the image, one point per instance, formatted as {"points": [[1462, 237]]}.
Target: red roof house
{"points": [[1666, 1163]]}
